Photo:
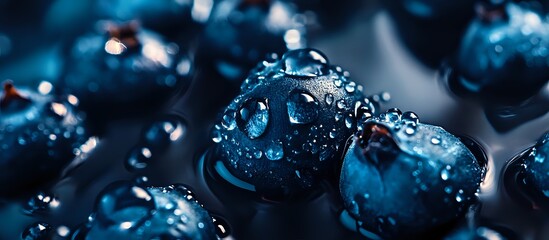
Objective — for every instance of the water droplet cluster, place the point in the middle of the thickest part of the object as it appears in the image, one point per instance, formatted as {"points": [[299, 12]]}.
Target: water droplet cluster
{"points": [[128, 211], [37, 139], [290, 122], [401, 176]]}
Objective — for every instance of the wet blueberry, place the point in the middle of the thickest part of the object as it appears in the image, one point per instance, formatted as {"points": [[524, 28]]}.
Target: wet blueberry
{"points": [[128, 211], [172, 18], [125, 70], [402, 178], [526, 178], [503, 55], [288, 127], [241, 33], [39, 135], [431, 29]]}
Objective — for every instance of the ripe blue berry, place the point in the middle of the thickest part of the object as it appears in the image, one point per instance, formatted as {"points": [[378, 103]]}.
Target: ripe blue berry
{"points": [[402, 178], [288, 127]]}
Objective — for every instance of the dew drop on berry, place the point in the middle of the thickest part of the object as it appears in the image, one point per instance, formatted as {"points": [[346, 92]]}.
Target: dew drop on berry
{"points": [[305, 63], [275, 151], [253, 117], [163, 131], [302, 107]]}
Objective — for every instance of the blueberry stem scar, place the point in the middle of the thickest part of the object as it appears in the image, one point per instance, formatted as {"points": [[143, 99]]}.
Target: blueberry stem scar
{"points": [[11, 94]]}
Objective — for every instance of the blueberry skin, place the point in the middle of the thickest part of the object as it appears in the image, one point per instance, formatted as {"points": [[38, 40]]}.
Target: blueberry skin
{"points": [[241, 33], [503, 57], [171, 18], [400, 178], [431, 29], [526, 178], [288, 128], [113, 81], [37, 139], [127, 211]]}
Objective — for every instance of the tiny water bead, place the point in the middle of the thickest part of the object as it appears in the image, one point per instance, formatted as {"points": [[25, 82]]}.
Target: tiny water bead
{"points": [[527, 178], [414, 180], [162, 131], [39, 136], [138, 158], [290, 123], [124, 70], [128, 211]]}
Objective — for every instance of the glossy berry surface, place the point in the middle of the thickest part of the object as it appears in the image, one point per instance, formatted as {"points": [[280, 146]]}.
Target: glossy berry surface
{"points": [[170, 17], [39, 135], [402, 178], [240, 33], [527, 178], [127, 211], [125, 70], [503, 56], [290, 123]]}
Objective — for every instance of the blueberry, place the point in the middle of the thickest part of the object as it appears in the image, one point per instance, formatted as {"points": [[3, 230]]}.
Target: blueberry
{"points": [[402, 178], [39, 135], [330, 14], [171, 18], [241, 32], [503, 57], [288, 127], [431, 29], [526, 178], [128, 211], [128, 70]]}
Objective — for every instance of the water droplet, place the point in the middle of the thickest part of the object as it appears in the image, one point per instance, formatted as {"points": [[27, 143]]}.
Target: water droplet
{"points": [[41, 203], [124, 204], [253, 117], [392, 115], [275, 151], [540, 157], [350, 87], [302, 107], [341, 104], [258, 154], [410, 129], [459, 196], [410, 118], [222, 227], [435, 140], [349, 122], [444, 174], [305, 63], [228, 120], [163, 131], [448, 189], [138, 158], [37, 231], [329, 99], [217, 138]]}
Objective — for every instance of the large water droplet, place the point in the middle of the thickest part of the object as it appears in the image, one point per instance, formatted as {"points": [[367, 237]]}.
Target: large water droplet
{"points": [[393, 115], [305, 63], [329, 99], [253, 117], [125, 204], [302, 107], [410, 118], [228, 121], [275, 151]]}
